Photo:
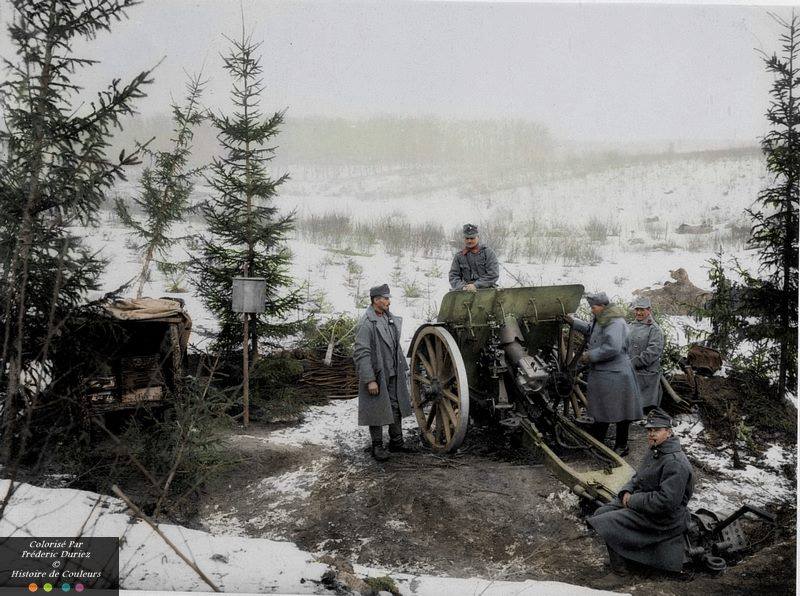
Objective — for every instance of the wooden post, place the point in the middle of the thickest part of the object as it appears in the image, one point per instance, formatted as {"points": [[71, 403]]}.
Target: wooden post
{"points": [[248, 299], [246, 372]]}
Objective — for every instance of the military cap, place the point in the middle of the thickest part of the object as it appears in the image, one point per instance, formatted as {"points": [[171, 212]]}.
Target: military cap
{"points": [[470, 230], [599, 299], [658, 418], [642, 302], [381, 290]]}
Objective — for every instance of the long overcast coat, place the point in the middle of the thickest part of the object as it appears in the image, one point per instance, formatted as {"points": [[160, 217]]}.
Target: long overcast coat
{"points": [[480, 268], [372, 354], [613, 394], [645, 346], [650, 530]]}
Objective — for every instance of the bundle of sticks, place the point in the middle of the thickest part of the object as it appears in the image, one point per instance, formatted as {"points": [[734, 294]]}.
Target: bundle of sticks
{"points": [[339, 380]]}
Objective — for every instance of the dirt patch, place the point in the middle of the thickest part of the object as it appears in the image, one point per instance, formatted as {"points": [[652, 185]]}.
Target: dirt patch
{"points": [[489, 511], [472, 514]]}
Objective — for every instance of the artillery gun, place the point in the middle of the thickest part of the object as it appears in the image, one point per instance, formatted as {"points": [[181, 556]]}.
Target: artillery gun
{"points": [[508, 354]]}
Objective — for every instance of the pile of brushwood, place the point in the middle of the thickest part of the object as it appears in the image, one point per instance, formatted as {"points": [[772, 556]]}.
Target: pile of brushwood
{"points": [[739, 411]]}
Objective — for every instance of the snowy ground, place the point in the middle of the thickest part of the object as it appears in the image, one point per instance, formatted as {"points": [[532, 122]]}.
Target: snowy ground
{"points": [[760, 483], [333, 428], [234, 564]]}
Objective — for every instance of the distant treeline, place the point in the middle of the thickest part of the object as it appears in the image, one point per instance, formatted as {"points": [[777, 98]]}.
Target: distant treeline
{"points": [[377, 141], [392, 142]]}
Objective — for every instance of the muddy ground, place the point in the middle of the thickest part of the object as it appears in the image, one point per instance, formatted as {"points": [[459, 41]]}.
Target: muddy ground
{"points": [[489, 511]]}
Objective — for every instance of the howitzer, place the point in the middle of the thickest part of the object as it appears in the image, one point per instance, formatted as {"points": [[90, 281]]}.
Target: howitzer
{"points": [[507, 353]]}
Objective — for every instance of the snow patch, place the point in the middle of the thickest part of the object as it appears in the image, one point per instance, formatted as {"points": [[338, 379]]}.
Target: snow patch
{"points": [[233, 563], [757, 485], [333, 426]]}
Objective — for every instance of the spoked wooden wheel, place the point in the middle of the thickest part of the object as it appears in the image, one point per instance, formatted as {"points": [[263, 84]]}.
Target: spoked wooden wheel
{"points": [[439, 389], [570, 344]]}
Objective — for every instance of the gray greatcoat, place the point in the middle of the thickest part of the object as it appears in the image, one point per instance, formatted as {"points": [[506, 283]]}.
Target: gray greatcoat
{"points": [[376, 353], [480, 268], [611, 385], [645, 345], [650, 530]]}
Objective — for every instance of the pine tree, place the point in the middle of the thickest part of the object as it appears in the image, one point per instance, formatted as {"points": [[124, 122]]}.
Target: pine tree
{"points": [[165, 187], [775, 230], [54, 173], [245, 231]]}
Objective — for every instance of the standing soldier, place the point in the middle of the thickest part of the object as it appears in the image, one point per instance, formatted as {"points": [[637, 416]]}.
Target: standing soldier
{"points": [[475, 266], [613, 393], [382, 374], [645, 346], [647, 520]]}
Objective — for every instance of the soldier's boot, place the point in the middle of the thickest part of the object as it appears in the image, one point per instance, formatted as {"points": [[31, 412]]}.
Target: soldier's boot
{"points": [[396, 442], [611, 581], [379, 453], [400, 447], [619, 575], [621, 438]]}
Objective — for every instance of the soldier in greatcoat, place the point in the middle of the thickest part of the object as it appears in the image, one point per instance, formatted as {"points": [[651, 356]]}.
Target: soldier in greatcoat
{"points": [[645, 346], [646, 522], [475, 266], [611, 386], [383, 397]]}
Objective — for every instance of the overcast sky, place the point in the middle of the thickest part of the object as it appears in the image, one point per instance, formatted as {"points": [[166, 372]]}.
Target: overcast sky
{"points": [[616, 72]]}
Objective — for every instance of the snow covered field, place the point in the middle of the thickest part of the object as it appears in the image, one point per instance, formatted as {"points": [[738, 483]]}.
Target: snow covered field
{"points": [[688, 191]]}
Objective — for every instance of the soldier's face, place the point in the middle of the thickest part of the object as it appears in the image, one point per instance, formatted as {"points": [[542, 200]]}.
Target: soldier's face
{"points": [[470, 241], [641, 313], [381, 303], [596, 308], [656, 436]]}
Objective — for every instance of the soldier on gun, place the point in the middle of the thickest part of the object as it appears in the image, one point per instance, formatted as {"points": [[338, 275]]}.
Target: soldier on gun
{"points": [[383, 396], [645, 346], [475, 266], [646, 522]]}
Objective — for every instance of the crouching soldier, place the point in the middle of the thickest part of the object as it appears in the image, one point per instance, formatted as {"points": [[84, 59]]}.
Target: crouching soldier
{"points": [[647, 520], [382, 374]]}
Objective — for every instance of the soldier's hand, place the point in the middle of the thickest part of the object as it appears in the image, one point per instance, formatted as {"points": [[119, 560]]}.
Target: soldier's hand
{"points": [[625, 498], [470, 288], [584, 359], [373, 388], [568, 319]]}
